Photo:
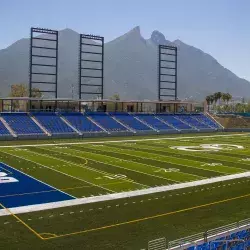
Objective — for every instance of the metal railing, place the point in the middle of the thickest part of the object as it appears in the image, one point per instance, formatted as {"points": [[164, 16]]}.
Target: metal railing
{"points": [[208, 236]]}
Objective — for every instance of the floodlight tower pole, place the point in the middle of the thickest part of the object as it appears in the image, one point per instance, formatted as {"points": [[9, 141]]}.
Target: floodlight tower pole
{"points": [[167, 72], [43, 62], [90, 62]]}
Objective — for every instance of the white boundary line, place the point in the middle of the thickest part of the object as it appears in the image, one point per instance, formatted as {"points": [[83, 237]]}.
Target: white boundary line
{"points": [[120, 141], [81, 201]]}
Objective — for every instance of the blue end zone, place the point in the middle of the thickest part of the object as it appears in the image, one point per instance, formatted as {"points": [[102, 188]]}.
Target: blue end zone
{"points": [[19, 189]]}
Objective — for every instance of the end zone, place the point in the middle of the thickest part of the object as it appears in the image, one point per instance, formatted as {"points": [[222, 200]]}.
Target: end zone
{"points": [[18, 189]]}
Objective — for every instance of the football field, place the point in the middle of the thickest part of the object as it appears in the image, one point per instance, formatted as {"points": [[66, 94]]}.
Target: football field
{"points": [[119, 193]]}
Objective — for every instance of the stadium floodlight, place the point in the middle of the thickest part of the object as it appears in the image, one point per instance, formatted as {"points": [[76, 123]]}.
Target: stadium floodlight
{"points": [[43, 61], [91, 66], [167, 72]]}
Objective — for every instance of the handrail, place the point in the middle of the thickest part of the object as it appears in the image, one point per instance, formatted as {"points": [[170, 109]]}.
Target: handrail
{"points": [[210, 234]]}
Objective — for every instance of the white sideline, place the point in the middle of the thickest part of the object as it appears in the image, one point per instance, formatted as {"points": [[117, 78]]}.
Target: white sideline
{"points": [[120, 141], [80, 201]]}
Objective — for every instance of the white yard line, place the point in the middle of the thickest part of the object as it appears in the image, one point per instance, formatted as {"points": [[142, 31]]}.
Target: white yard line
{"points": [[157, 159], [139, 163], [90, 183], [108, 197], [128, 169], [121, 141], [83, 166]]}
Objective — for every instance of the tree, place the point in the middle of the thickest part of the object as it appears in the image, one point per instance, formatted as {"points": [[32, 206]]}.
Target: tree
{"points": [[210, 100], [224, 97], [36, 93], [21, 90], [115, 97], [228, 97], [217, 96]]}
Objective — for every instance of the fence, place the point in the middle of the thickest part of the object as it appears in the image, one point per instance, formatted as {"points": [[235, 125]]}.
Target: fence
{"points": [[200, 238]]}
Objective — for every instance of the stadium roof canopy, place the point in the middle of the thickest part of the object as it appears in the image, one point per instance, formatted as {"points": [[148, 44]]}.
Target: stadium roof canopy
{"points": [[98, 100]]}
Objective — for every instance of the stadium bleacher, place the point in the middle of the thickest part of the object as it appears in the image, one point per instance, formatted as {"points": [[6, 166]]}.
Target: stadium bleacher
{"points": [[193, 122], [174, 121], [22, 124], [3, 130], [107, 122], [154, 122], [233, 236], [81, 122], [204, 119], [131, 122], [53, 123], [235, 241]]}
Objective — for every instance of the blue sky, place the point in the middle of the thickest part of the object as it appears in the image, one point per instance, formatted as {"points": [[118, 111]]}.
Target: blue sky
{"points": [[218, 27]]}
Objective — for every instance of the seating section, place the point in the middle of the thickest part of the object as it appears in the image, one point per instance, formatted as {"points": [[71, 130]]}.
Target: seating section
{"points": [[131, 121], [53, 123], [81, 122], [174, 121], [22, 124], [154, 122], [221, 242], [96, 122], [3, 130], [206, 120], [193, 122], [107, 122]]}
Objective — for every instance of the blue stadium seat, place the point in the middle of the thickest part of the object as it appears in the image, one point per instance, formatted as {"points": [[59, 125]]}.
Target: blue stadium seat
{"points": [[81, 122], [203, 118], [153, 122], [107, 122], [233, 245], [3, 130], [22, 124], [53, 123], [193, 122], [171, 119], [131, 122]]}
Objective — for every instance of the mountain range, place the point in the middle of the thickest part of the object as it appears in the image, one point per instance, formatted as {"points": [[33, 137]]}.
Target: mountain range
{"points": [[130, 68]]}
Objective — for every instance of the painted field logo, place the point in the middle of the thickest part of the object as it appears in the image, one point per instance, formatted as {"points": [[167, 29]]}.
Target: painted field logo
{"points": [[208, 147], [4, 178]]}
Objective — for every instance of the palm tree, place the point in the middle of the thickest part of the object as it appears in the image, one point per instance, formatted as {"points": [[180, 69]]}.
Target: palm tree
{"points": [[219, 96], [229, 97], [224, 97], [215, 95], [210, 100]]}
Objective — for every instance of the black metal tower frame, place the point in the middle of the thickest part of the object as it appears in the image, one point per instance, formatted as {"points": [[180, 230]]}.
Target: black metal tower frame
{"points": [[54, 58], [166, 85], [93, 68]]}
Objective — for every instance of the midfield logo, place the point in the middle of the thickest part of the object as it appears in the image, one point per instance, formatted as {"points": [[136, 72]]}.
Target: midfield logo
{"points": [[208, 147], [4, 178]]}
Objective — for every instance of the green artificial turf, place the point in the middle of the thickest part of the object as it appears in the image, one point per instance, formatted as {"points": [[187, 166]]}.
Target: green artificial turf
{"points": [[89, 169]]}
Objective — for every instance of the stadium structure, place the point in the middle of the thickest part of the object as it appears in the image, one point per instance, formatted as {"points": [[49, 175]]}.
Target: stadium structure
{"points": [[168, 169], [51, 116]]}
